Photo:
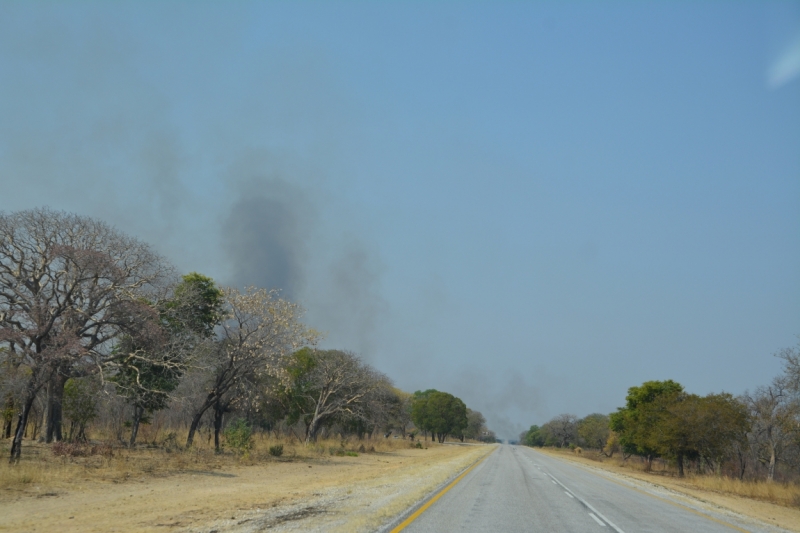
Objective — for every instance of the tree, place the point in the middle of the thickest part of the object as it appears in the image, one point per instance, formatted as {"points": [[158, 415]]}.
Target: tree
{"points": [[418, 410], [476, 425], [80, 405], [533, 437], [791, 369], [258, 332], [70, 286], [401, 413], [633, 424], [189, 317], [440, 413], [329, 385], [565, 429], [593, 430], [774, 414]]}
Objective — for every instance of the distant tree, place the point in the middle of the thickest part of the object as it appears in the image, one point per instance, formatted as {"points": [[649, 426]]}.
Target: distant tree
{"points": [[476, 425], [593, 430], [634, 423], [533, 437], [401, 413], [564, 428], [418, 410], [440, 413], [791, 369], [774, 412]]}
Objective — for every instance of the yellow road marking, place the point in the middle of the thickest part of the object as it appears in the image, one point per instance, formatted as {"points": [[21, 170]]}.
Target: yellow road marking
{"points": [[404, 524], [676, 504]]}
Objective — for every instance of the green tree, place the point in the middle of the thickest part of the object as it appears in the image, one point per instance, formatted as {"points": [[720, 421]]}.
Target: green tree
{"points": [[635, 422], [188, 317], [80, 405], [440, 413], [534, 437], [593, 430]]}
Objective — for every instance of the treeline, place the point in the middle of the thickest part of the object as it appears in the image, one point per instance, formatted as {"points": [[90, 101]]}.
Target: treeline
{"points": [[98, 331], [755, 435]]}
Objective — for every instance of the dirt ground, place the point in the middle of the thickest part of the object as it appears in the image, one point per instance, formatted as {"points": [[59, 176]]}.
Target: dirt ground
{"points": [[321, 494], [777, 515]]}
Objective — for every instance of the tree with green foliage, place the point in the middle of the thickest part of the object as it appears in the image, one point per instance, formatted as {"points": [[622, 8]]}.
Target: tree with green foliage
{"points": [[440, 413], [80, 405], [634, 423], [593, 430], [332, 385], [251, 343], [533, 437], [187, 318]]}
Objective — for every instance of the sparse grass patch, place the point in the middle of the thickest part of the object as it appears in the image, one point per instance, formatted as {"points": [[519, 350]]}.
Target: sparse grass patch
{"points": [[70, 464]]}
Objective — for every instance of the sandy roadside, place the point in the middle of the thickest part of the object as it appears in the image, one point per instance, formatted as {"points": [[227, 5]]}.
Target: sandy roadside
{"points": [[768, 513], [328, 494]]}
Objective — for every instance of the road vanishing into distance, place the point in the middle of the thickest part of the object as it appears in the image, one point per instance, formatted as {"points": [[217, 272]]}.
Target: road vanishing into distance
{"points": [[519, 489]]}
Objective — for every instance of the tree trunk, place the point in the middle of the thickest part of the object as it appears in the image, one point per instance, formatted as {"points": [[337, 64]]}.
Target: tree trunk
{"points": [[196, 420], [16, 445], [219, 412], [8, 416], [772, 461], [55, 399], [193, 427], [311, 430], [679, 460], [742, 464], [137, 417]]}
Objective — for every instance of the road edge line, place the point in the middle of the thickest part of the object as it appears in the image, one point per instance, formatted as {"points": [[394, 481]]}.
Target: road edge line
{"points": [[632, 486], [412, 513]]}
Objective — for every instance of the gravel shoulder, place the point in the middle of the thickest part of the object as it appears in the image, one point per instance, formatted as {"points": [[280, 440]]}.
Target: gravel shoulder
{"points": [[768, 514], [326, 494]]}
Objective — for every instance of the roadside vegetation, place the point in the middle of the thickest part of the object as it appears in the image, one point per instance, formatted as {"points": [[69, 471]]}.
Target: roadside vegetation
{"points": [[113, 365], [747, 445]]}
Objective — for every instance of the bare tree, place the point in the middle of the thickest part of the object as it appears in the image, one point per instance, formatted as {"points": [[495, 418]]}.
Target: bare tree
{"points": [[336, 385], [260, 329], [70, 286], [774, 412], [565, 429]]}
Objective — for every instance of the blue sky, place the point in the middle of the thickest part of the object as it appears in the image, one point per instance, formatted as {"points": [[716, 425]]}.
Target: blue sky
{"points": [[531, 205]]}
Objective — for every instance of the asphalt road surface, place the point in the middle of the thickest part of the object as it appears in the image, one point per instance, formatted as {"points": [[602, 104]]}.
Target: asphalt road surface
{"points": [[519, 489]]}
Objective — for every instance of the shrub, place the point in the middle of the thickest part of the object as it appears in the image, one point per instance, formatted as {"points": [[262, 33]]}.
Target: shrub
{"points": [[276, 451], [239, 436]]}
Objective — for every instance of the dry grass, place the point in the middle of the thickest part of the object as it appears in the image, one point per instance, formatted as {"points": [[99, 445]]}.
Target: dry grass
{"points": [[40, 467], [785, 494]]}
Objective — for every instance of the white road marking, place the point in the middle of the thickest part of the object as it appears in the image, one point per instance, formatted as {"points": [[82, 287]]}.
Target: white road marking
{"points": [[554, 483], [568, 494], [584, 502], [597, 519]]}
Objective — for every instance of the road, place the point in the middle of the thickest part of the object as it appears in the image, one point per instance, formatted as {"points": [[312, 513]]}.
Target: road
{"points": [[519, 489]]}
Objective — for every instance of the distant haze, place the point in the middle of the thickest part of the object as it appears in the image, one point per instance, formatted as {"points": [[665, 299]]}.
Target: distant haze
{"points": [[533, 206]]}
